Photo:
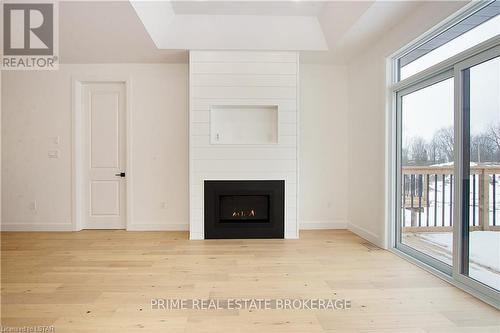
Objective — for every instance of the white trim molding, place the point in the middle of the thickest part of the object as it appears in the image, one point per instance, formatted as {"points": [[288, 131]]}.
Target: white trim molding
{"points": [[366, 234], [318, 225], [196, 235], [158, 226], [39, 226]]}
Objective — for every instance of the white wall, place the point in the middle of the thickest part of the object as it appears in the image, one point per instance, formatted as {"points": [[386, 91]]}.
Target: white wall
{"points": [[0, 149], [36, 107], [367, 120], [323, 147], [243, 78]]}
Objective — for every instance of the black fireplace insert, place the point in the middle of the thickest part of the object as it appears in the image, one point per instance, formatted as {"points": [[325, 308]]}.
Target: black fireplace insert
{"points": [[244, 209]]}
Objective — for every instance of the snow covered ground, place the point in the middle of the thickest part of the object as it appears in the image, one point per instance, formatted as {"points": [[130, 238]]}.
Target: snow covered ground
{"points": [[484, 253]]}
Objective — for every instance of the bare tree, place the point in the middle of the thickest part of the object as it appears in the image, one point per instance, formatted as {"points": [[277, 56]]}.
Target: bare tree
{"points": [[494, 134], [404, 156], [444, 142], [482, 148], [418, 151], [435, 155]]}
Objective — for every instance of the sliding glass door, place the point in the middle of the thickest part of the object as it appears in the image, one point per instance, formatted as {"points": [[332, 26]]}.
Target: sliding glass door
{"points": [[479, 113], [446, 151], [448, 171], [426, 164]]}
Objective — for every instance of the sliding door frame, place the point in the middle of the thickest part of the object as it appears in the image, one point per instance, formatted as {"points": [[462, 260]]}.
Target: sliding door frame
{"points": [[451, 67], [462, 172], [433, 262]]}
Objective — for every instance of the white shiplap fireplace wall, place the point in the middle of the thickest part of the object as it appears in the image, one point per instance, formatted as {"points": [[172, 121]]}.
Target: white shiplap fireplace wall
{"points": [[243, 78]]}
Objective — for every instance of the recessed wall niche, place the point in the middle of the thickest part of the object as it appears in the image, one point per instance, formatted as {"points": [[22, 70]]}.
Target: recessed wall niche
{"points": [[244, 124]]}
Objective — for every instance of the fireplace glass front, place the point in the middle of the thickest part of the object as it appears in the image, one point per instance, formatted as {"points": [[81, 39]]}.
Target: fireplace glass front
{"points": [[234, 208]]}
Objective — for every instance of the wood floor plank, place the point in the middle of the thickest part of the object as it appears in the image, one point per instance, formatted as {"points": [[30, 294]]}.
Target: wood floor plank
{"points": [[103, 281]]}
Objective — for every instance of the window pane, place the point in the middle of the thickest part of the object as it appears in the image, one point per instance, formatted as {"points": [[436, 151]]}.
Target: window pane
{"points": [[427, 170], [477, 28], [482, 86]]}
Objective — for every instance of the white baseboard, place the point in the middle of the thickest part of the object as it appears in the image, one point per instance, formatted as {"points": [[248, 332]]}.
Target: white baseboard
{"points": [[138, 226], [304, 225], [291, 235], [314, 225], [13, 226], [196, 235], [365, 234]]}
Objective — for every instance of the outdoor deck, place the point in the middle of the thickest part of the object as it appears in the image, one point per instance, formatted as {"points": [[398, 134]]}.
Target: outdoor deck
{"points": [[427, 217]]}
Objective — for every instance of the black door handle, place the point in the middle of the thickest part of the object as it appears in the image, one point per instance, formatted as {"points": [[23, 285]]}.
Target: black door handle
{"points": [[121, 174]]}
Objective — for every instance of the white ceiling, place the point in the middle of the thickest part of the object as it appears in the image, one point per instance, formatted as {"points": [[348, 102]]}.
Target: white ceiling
{"points": [[362, 24], [265, 8], [204, 28], [111, 31], [107, 32]]}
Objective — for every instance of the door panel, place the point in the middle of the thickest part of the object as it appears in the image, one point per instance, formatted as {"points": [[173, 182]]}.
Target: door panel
{"points": [[105, 130], [481, 170], [105, 137], [426, 171], [105, 197]]}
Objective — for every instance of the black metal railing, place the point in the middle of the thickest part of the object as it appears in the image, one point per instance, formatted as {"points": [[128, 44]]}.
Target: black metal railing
{"points": [[427, 197]]}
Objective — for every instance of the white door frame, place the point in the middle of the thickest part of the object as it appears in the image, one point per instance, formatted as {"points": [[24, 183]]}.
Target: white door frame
{"points": [[78, 149]]}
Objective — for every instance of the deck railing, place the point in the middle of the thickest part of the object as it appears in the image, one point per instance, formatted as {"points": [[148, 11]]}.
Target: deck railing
{"points": [[427, 198]]}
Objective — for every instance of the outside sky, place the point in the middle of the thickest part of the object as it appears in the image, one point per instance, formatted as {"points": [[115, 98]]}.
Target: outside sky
{"points": [[429, 109]]}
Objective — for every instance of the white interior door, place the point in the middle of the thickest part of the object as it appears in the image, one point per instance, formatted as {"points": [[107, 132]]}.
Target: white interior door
{"points": [[105, 160]]}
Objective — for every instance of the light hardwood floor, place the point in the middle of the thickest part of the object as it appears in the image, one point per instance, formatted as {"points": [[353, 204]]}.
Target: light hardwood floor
{"points": [[103, 281]]}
